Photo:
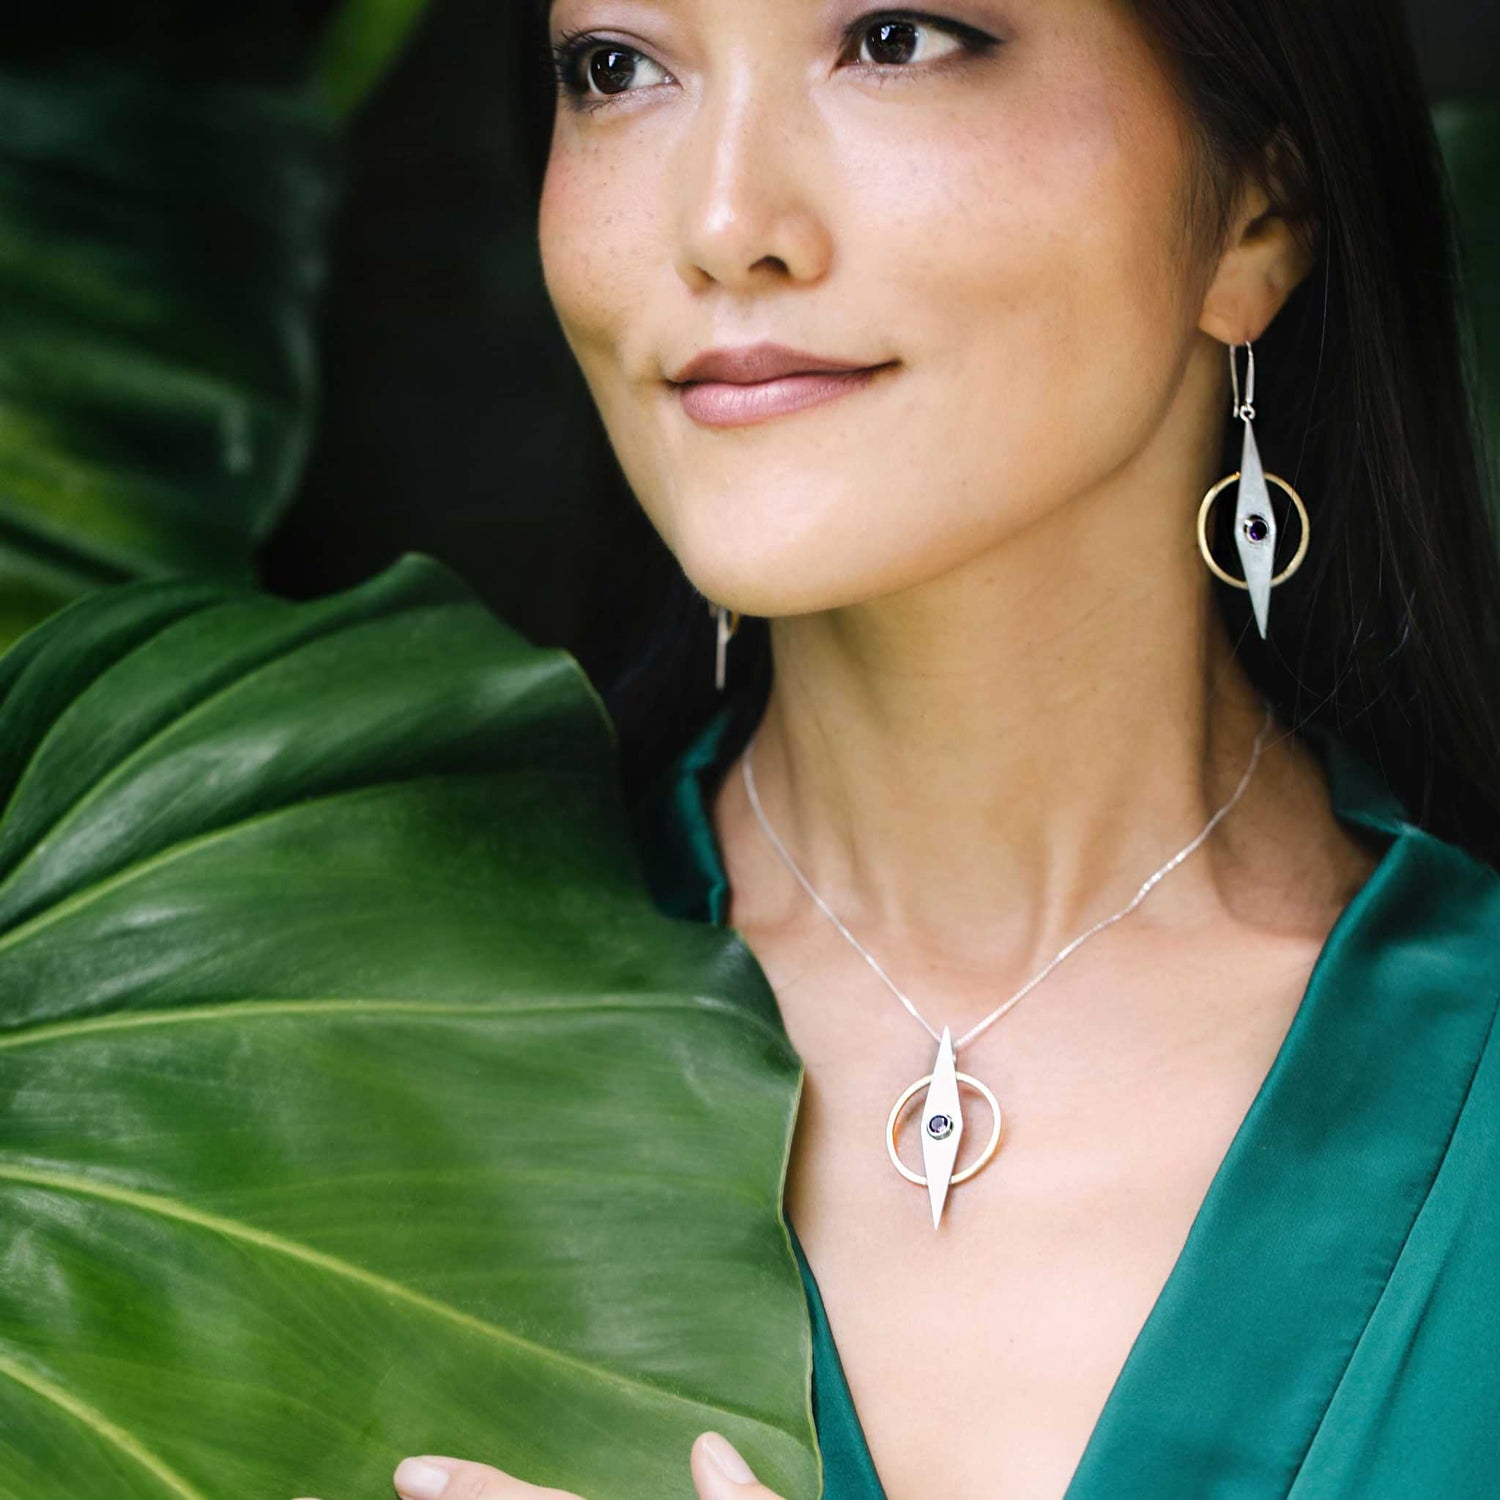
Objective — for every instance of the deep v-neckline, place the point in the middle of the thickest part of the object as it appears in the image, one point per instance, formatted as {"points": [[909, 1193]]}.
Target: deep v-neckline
{"points": [[1228, 1377]]}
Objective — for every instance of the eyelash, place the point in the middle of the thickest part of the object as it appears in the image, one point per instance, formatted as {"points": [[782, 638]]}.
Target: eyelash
{"points": [[562, 58]]}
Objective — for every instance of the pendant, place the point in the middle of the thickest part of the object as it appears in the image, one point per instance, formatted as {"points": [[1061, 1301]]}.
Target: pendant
{"points": [[942, 1128]]}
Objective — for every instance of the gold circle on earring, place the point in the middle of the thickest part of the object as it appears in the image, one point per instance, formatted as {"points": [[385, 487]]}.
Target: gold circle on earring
{"points": [[973, 1167], [1207, 505]]}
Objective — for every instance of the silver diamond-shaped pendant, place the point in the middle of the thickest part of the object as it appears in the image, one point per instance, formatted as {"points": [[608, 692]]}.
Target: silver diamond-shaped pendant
{"points": [[1255, 530], [942, 1126]]}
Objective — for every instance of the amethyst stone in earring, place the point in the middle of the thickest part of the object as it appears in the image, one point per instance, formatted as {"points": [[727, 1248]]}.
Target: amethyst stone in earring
{"points": [[1254, 520], [1254, 524]]}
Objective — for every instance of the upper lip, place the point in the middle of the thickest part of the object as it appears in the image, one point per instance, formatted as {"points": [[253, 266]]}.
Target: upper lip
{"points": [[750, 363]]}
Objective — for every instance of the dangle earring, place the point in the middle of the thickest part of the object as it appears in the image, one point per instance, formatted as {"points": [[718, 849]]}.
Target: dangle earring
{"points": [[728, 623], [1254, 523]]}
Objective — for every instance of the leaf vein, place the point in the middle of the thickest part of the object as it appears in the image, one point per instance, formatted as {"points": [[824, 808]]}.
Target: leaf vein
{"points": [[261, 1009], [335, 1265], [301, 635], [98, 1423]]}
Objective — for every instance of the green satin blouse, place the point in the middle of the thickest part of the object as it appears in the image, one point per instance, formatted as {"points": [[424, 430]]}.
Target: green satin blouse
{"points": [[1331, 1327]]}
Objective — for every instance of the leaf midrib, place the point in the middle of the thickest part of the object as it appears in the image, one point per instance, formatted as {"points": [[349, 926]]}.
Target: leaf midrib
{"points": [[96, 889]]}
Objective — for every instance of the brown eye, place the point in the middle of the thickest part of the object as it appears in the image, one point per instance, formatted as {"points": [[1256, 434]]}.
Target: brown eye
{"points": [[898, 42], [892, 42], [592, 71], [611, 69]]}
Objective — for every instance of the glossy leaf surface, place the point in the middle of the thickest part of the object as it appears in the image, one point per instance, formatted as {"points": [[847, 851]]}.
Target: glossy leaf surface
{"points": [[357, 1101]]}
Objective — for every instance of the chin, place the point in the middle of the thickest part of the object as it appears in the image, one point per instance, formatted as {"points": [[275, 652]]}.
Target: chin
{"points": [[796, 580], [772, 553], [737, 550]]}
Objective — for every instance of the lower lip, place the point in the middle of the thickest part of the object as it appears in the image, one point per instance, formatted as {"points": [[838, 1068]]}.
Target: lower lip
{"points": [[719, 404]]}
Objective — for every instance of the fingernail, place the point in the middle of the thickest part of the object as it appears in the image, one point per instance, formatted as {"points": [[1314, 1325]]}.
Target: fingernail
{"points": [[420, 1479], [727, 1457]]}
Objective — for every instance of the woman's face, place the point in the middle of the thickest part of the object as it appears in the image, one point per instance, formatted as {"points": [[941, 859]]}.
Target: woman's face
{"points": [[986, 201]]}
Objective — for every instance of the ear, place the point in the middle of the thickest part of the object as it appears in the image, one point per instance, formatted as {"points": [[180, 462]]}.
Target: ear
{"points": [[1266, 253]]}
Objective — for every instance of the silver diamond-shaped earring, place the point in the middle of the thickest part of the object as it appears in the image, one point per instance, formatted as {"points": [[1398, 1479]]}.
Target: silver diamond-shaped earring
{"points": [[1254, 522]]}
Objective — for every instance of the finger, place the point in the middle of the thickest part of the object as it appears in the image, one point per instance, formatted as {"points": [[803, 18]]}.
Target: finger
{"points": [[721, 1473], [427, 1477]]}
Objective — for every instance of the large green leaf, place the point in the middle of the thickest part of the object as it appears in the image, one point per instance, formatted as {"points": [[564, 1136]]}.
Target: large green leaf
{"points": [[356, 1099]]}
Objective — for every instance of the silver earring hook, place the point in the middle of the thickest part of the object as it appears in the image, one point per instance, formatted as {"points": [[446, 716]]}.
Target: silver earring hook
{"points": [[1245, 408]]}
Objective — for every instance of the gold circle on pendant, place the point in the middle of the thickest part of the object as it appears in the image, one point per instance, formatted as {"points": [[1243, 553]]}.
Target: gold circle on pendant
{"points": [[973, 1167]]}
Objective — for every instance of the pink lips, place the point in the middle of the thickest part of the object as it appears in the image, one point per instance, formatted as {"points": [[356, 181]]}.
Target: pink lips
{"points": [[753, 383]]}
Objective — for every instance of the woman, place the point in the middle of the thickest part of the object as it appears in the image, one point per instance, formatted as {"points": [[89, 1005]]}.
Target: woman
{"points": [[1025, 244]]}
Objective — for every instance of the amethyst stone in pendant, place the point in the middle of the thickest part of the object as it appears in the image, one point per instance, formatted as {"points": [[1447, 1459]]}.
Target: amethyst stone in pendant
{"points": [[1257, 529], [942, 1126]]}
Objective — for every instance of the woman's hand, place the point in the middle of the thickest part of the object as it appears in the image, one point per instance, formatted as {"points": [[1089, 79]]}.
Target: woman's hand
{"points": [[719, 1473]]}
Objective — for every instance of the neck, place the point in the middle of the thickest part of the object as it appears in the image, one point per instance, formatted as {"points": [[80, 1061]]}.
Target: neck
{"points": [[1000, 756]]}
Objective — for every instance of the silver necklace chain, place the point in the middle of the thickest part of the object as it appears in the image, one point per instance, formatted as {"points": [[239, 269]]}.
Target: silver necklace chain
{"points": [[748, 776]]}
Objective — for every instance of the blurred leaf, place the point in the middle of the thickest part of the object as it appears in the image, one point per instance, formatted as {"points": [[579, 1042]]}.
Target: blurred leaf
{"points": [[358, 1102], [161, 252], [363, 40], [1469, 130]]}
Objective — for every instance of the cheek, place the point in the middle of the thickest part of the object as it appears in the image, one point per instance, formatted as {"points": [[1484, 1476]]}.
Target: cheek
{"points": [[600, 241], [599, 234], [572, 252], [596, 227], [1013, 246], [1027, 246]]}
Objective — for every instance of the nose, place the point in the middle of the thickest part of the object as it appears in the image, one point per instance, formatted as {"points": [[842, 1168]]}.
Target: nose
{"points": [[747, 185]]}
